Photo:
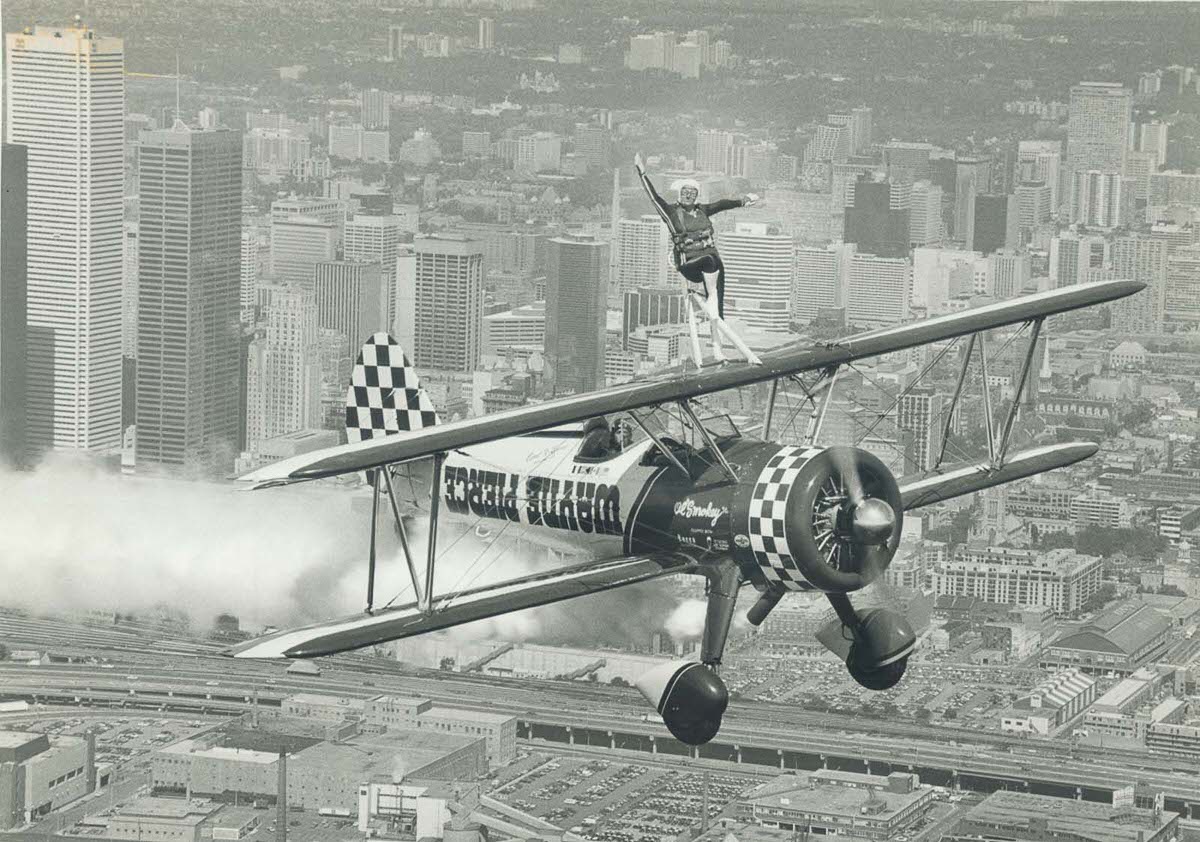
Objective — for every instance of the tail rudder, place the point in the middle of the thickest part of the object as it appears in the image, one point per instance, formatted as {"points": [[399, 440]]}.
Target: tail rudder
{"points": [[385, 394]]}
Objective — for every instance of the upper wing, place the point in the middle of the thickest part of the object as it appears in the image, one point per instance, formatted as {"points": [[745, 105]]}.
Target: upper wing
{"points": [[463, 607], [781, 362]]}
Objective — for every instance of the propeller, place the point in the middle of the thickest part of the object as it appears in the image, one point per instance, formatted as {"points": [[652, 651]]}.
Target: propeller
{"points": [[853, 522]]}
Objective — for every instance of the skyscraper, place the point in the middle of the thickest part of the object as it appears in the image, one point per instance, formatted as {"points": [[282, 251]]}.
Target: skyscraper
{"points": [[995, 224], [878, 222], [449, 302], [822, 276], [1011, 272], [298, 244], [375, 108], [908, 160], [14, 163], [878, 290], [1096, 198], [487, 34], [920, 413], [283, 391], [972, 176], [66, 92], [1181, 301], [758, 276], [1034, 207], [1139, 258], [643, 254], [576, 302], [1098, 127], [395, 42], [925, 215], [713, 150], [651, 306], [1041, 160], [189, 298], [376, 238], [1073, 255], [352, 298], [1152, 138]]}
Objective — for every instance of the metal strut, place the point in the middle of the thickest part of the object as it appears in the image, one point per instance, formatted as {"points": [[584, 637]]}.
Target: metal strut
{"points": [[987, 401], [815, 422], [686, 407], [1006, 432], [371, 556], [962, 376], [770, 408], [408, 556], [662, 448], [439, 461]]}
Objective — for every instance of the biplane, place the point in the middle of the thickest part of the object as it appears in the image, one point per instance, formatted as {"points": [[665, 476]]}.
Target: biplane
{"points": [[737, 509]]}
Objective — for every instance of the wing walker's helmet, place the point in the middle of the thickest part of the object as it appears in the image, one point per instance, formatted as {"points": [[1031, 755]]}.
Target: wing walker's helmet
{"points": [[687, 184]]}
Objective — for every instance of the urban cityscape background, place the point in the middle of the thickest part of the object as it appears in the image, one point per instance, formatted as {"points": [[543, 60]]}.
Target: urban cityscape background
{"points": [[209, 206]]}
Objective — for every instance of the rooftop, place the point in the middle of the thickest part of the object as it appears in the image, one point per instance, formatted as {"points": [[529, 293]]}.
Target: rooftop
{"points": [[807, 793], [186, 812], [1064, 817], [383, 755], [1126, 628], [463, 715]]}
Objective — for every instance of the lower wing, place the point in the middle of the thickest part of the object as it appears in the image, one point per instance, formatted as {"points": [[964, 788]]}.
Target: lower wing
{"points": [[467, 606]]}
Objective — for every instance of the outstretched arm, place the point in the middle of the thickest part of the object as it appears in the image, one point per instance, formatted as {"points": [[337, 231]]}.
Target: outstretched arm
{"points": [[663, 207], [730, 204]]}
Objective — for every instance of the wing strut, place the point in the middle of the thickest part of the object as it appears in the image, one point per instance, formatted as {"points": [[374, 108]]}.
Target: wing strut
{"points": [[987, 400], [435, 496], [816, 421], [770, 409], [686, 407], [371, 556], [1016, 403], [962, 377], [408, 556], [662, 448]]}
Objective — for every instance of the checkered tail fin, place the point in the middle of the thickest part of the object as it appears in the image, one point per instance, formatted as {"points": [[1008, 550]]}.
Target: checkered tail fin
{"points": [[385, 394]]}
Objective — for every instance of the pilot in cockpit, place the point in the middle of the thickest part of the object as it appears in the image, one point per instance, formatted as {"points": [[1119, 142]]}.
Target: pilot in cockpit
{"points": [[600, 441]]}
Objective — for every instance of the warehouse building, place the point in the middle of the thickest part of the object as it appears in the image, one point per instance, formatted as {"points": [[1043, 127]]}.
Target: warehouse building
{"points": [[40, 773], [1021, 817], [1119, 640]]}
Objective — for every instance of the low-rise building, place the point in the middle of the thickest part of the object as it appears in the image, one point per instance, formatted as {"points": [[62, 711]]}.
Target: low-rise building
{"points": [[40, 773], [1053, 702], [845, 804], [1022, 817], [161, 819], [398, 712], [1061, 579], [1120, 640]]}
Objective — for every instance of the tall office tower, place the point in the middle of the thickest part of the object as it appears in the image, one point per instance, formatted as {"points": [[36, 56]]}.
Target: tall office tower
{"points": [[878, 222], [1174, 187], [404, 325], [1096, 198], [878, 290], [821, 279], [332, 211], [1073, 255], [1098, 127], [375, 108], [688, 59], [487, 34], [925, 226], [1041, 160], [666, 48], [129, 282], [829, 144], [576, 302], [1181, 301], [14, 174], [1035, 206], [283, 388], [591, 145], [248, 273], [920, 412], [275, 151], [722, 52], [995, 225], [1152, 138], [858, 122], [972, 175], [650, 306], [376, 238], [1144, 259], [476, 144], [1135, 192], [189, 298], [352, 298], [759, 263], [907, 160], [1011, 272], [714, 149], [356, 143], [66, 93], [700, 38], [448, 304], [643, 254], [298, 244], [395, 42], [538, 152], [645, 51]]}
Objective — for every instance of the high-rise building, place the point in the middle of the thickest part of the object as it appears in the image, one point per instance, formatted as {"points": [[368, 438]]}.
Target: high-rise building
{"points": [[759, 263], [576, 302], [822, 278], [352, 298], [283, 372], [643, 254], [688, 59], [925, 225], [651, 306], [448, 308], [1035, 206], [375, 107], [878, 290], [189, 298], [1098, 127], [298, 244], [1152, 138], [920, 413], [13, 341], [908, 161], [65, 104], [253, 241], [878, 222], [1041, 160], [591, 145], [486, 39], [1182, 298], [356, 143], [477, 144], [1073, 255], [972, 177], [858, 123], [995, 224], [376, 238], [941, 275], [714, 149], [1011, 272], [1061, 579], [538, 152], [1139, 258], [404, 324], [1096, 198], [395, 42], [829, 144]]}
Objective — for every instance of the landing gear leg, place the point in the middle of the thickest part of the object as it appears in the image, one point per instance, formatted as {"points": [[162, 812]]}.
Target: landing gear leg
{"points": [[723, 584]]}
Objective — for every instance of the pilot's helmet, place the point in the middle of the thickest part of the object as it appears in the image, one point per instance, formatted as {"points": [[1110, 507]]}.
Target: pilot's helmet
{"points": [[593, 424]]}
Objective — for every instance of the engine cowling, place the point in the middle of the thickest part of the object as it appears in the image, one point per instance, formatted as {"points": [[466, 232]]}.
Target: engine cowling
{"points": [[690, 697], [844, 519]]}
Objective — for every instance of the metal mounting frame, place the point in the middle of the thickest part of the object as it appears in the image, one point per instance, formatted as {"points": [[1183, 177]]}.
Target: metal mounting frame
{"points": [[662, 448], [962, 377], [686, 408], [987, 400], [371, 552]]}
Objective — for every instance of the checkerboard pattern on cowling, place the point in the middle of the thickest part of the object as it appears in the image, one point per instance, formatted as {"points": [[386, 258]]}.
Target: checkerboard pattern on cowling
{"points": [[768, 528], [385, 394]]}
